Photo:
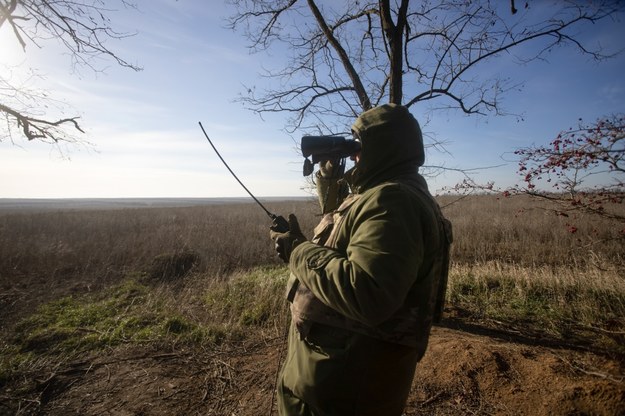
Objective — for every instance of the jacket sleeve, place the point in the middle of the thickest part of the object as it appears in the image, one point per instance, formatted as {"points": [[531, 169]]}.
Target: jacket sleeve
{"points": [[331, 192], [370, 279]]}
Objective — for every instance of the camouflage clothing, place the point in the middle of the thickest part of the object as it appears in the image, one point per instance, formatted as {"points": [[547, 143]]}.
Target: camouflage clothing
{"points": [[363, 291]]}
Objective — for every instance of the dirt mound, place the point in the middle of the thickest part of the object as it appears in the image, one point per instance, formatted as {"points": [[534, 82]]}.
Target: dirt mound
{"points": [[462, 373], [470, 374]]}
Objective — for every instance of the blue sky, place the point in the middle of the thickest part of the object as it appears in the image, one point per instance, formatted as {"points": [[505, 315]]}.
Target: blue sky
{"points": [[143, 126]]}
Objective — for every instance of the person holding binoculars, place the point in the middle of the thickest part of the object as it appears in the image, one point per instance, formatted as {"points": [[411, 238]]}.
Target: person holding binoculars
{"points": [[365, 290]]}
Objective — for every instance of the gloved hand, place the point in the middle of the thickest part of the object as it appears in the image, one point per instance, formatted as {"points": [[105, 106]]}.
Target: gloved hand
{"points": [[331, 169], [286, 242]]}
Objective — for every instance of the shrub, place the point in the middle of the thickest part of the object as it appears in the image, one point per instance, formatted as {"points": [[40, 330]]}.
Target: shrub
{"points": [[172, 266]]}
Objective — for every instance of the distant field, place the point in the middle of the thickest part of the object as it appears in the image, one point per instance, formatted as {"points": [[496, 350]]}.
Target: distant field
{"points": [[43, 204]]}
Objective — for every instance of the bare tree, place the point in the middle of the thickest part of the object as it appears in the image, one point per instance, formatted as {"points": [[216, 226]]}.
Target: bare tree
{"points": [[581, 171], [347, 56], [83, 27]]}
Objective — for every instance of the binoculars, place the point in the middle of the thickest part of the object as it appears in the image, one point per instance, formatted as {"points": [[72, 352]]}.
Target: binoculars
{"points": [[320, 148]]}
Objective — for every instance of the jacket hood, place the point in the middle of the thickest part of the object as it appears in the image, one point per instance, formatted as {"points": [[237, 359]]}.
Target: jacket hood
{"points": [[392, 146]]}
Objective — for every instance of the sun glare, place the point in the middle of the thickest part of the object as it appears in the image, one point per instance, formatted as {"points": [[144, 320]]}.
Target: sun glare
{"points": [[13, 59], [11, 52]]}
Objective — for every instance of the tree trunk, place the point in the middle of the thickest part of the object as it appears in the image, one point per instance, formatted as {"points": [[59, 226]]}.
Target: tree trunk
{"points": [[394, 35]]}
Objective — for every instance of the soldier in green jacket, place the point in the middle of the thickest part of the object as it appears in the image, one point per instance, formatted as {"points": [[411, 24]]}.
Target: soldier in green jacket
{"points": [[363, 292]]}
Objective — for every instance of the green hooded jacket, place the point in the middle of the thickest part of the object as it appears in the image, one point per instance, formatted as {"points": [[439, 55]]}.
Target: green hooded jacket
{"points": [[363, 291], [374, 265]]}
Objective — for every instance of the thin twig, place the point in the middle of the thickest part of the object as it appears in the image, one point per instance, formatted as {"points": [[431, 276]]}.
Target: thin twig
{"points": [[592, 373]]}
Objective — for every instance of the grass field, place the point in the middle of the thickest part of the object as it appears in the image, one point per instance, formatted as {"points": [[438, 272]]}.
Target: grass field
{"points": [[74, 281]]}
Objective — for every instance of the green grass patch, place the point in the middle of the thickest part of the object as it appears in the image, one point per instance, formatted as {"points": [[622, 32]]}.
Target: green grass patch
{"points": [[85, 323], [252, 298], [569, 304], [133, 312], [128, 313]]}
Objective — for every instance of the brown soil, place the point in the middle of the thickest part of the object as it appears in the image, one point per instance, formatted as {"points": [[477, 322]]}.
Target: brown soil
{"points": [[469, 369], [462, 373]]}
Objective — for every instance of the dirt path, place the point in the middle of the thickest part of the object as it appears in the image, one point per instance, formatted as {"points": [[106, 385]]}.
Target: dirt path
{"points": [[461, 374]]}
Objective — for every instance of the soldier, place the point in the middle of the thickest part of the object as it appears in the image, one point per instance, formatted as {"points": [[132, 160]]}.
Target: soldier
{"points": [[364, 290]]}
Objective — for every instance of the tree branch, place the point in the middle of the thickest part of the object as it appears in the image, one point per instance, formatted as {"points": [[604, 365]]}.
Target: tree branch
{"points": [[36, 128], [365, 101], [414, 52], [83, 27]]}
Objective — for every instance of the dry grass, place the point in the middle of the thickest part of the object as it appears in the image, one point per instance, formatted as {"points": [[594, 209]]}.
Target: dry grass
{"points": [[113, 242], [510, 268], [234, 237], [581, 305], [520, 231]]}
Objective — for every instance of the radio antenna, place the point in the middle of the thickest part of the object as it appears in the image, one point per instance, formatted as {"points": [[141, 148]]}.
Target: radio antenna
{"points": [[279, 221]]}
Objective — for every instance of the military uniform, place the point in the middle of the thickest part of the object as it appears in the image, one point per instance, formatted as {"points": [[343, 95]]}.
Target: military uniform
{"points": [[363, 291]]}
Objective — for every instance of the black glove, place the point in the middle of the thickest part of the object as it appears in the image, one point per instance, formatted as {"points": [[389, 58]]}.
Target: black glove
{"points": [[287, 241]]}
